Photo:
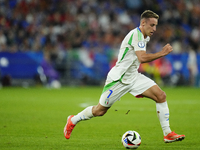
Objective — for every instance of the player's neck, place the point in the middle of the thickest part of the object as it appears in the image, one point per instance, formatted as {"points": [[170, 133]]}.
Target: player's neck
{"points": [[142, 30]]}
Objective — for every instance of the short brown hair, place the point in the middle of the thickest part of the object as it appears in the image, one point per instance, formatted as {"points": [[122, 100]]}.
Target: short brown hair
{"points": [[149, 14]]}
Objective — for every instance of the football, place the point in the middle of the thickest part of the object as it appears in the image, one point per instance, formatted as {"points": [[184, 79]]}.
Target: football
{"points": [[131, 140]]}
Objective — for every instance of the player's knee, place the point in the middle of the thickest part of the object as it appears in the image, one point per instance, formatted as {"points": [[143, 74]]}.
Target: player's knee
{"points": [[161, 97]]}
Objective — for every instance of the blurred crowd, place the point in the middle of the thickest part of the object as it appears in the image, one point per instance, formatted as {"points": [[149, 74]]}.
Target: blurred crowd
{"points": [[55, 27], [61, 25]]}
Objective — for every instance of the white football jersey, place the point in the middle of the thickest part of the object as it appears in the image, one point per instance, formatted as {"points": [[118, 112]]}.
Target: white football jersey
{"points": [[126, 67]]}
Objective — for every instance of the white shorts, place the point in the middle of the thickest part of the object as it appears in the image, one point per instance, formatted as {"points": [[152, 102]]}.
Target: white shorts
{"points": [[114, 90]]}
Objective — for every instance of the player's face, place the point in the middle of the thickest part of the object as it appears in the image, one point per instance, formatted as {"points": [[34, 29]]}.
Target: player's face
{"points": [[150, 26]]}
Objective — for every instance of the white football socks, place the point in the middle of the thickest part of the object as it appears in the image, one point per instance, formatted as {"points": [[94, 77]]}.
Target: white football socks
{"points": [[163, 116], [83, 115], [162, 112]]}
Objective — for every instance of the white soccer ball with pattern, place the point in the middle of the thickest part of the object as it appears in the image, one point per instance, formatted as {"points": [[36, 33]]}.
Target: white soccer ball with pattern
{"points": [[131, 140]]}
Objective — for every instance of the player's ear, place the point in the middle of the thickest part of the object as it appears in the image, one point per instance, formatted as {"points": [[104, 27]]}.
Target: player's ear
{"points": [[143, 22]]}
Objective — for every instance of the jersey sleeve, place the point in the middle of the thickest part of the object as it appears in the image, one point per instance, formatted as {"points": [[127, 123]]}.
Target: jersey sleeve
{"points": [[137, 41]]}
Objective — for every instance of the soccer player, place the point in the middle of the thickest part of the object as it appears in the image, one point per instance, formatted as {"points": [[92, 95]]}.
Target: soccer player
{"points": [[124, 77]]}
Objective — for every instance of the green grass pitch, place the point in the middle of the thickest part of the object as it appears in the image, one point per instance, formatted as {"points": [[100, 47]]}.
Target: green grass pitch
{"points": [[34, 118]]}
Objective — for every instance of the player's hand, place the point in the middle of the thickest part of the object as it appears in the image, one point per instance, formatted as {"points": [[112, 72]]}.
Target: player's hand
{"points": [[167, 49]]}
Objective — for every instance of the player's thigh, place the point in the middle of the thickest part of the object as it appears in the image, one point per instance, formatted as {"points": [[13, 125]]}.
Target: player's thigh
{"points": [[155, 93], [114, 93], [141, 84]]}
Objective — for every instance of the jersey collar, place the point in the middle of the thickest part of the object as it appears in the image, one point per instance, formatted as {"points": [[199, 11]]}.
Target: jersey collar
{"points": [[147, 38], [139, 29]]}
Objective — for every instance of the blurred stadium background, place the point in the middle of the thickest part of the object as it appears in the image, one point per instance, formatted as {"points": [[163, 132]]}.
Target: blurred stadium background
{"points": [[76, 42]]}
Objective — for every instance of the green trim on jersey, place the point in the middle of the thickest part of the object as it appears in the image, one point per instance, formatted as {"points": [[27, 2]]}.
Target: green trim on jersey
{"points": [[121, 77], [139, 35], [109, 85], [126, 50], [130, 40]]}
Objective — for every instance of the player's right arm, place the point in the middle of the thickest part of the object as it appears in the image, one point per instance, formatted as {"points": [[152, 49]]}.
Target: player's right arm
{"points": [[144, 57]]}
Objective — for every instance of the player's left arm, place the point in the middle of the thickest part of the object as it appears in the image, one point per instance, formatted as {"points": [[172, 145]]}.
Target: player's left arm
{"points": [[144, 57]]}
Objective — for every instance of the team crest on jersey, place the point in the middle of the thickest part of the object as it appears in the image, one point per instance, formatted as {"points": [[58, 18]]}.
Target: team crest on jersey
{"points": [[141, 44]]}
